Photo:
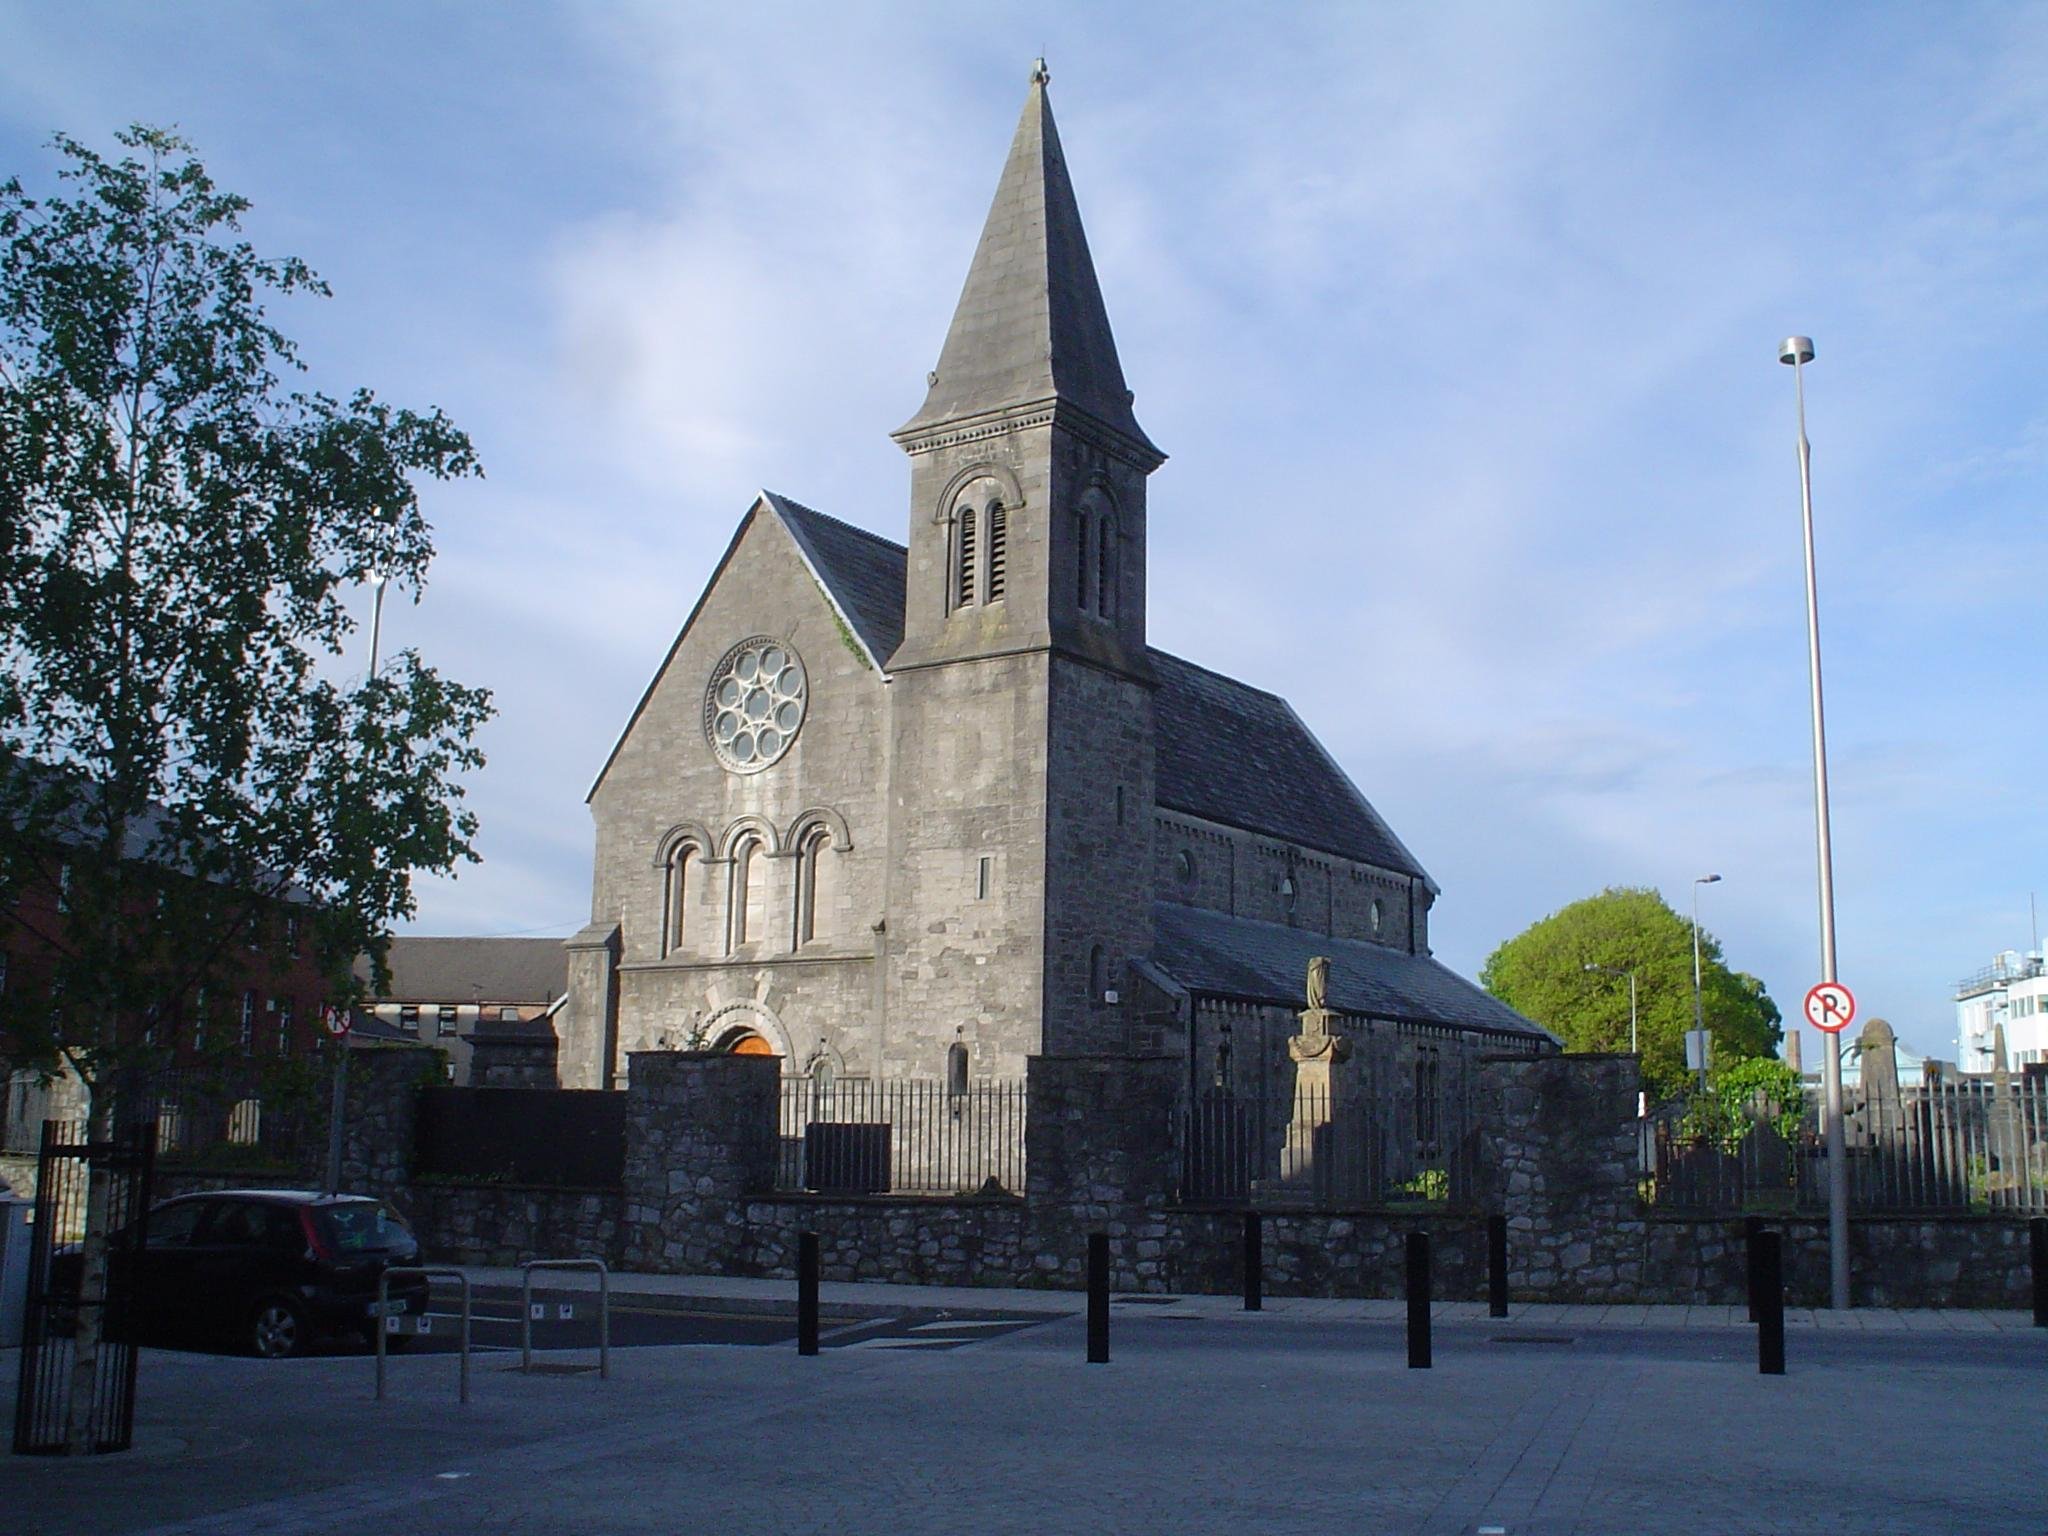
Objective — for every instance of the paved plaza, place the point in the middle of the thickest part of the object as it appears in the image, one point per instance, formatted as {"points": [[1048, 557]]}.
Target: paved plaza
{"points": [[1302, 1418]]}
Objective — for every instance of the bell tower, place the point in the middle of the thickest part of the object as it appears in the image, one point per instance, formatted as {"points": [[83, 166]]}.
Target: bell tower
{"points": [[1021, 710], [1027, 524]]}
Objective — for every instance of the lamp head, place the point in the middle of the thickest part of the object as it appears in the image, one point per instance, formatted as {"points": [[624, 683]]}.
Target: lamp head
{"points": [[1796, 349], [1708, 880]]}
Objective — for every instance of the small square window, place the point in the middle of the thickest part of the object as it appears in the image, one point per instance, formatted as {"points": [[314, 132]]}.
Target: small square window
{"points": [[409, 1019], [444, 1022], [508, 1015]]}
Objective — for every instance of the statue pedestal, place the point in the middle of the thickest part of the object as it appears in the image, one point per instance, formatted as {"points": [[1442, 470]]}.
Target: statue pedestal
{"points": [[1314, 1162]]}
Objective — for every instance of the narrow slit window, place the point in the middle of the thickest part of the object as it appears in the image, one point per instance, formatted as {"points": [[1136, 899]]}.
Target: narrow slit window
{"points": [[1081, 561], [984, 877], [956, 1069], [998, 538], [963, 579], [1105, 570]]}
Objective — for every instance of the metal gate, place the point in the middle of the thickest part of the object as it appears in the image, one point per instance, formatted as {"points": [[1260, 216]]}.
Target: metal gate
{"points": [[69, 1165]]}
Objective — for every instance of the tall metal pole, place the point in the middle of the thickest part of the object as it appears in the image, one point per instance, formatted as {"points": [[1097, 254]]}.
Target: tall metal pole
{"points": [[1635, 1047], [1699, 1022], [338, 1101], [1798, 351]]}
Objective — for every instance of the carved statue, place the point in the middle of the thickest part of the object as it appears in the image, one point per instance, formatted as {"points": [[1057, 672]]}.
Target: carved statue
{"points": [[1319, 982]]}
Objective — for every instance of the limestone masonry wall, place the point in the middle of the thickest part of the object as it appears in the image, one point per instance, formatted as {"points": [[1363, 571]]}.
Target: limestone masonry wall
{"points": [[1102, 1138]]}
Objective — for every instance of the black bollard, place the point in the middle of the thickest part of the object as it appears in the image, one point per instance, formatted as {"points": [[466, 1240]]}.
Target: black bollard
{"points": [[2038, 1229], [1098, 1298], [1770, 1303], [1418, 1301], [1496, 1266], [1752, 1229], [1254, 1263], [807, 1293]]}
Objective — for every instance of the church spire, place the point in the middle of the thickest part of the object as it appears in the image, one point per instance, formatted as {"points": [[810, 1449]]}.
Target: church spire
{"points": [[1030, 329]]}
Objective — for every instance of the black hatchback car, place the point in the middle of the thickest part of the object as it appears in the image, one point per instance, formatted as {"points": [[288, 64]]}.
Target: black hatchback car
{"points": [[266, 1270]]}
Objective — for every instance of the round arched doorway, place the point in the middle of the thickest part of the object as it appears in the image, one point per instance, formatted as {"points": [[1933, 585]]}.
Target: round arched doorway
{"points": [[746, 1043]]}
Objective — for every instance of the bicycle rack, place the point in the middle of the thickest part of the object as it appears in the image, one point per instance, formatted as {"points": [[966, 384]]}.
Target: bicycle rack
{"points": [[604, 1310], [384, 1300]]}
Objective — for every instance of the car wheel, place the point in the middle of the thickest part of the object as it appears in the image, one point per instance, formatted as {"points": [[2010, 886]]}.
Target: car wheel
{"points": [[277, 1329]]}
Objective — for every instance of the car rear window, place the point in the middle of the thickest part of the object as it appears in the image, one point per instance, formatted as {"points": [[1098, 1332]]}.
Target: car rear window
{"points": [[365, 1226]]}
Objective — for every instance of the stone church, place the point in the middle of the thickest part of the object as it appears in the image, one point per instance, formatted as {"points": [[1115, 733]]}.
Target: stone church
{"points": [[927, 812]]}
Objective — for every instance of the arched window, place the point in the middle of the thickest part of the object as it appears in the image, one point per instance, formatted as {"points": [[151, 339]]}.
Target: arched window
{"points": [[963, 558], [1105, 568], [1098, 979], [816, 885], [1287, 894], [1378, 916], [749, 898], [677, 923], [1082, 563], [998, 550], [956, 1069]]}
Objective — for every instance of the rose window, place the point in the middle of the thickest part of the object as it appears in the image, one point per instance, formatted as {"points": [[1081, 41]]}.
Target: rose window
{"points": [[755, 704]]}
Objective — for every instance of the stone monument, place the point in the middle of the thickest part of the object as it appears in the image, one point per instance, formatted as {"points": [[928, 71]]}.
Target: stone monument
{"points": [[1877, 1062], [1315, 1161]]}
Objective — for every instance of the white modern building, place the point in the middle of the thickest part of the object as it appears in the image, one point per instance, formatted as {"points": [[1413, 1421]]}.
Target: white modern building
{"points": [[2013, 991]]}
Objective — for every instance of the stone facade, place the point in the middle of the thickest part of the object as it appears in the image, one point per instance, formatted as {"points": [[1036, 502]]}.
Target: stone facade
{"points": [[700, 1138], [967, 838], [1563, 1166], [1225, 869]]}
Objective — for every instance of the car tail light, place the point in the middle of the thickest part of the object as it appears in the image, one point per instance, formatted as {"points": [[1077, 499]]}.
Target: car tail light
{"points": [[316, 1244]]}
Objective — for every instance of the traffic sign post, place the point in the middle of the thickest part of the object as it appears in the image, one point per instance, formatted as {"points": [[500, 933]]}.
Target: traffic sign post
{"points": [[1830, 1006], [336, 1020]]}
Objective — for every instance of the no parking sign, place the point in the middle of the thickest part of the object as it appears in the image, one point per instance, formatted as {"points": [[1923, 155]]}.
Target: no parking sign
{"points": [[1830, 1006]]}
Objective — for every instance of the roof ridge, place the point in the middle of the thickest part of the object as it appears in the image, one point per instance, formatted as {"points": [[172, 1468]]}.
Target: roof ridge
{"points": [[1235, 682], [791, 503]]}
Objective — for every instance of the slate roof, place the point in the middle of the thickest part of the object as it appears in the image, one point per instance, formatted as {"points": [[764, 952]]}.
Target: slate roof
{"points": [[461, 970], [862, 571], [1251, 961], [1236, 754], [1227, 752], [1030, 325]]}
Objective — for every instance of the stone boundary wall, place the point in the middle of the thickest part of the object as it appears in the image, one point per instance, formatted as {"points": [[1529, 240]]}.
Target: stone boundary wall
{"points": [[1103, 1144]]}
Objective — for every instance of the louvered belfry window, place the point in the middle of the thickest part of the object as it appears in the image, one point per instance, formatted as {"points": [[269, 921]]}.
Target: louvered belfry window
{"points": [[964, 571], [998, 529], [1105, 575]]}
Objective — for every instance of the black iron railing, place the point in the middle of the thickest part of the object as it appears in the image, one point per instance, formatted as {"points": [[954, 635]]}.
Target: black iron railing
{"points": [[858, 1136]]}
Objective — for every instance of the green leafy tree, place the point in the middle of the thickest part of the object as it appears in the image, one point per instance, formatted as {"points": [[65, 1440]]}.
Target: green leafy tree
{"points": [[178, 533], [1542, 972]]}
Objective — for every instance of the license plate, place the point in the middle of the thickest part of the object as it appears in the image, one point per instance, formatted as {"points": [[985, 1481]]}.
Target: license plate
{"points": [[408, 1325], [395, 1307]]}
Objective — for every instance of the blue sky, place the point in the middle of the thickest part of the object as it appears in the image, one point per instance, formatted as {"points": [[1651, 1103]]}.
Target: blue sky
{"points": [[1459, 323]]}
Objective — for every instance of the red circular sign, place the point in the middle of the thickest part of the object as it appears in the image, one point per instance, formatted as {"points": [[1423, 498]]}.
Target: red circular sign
{"points": [[337, 1022], [1830, 1006]]}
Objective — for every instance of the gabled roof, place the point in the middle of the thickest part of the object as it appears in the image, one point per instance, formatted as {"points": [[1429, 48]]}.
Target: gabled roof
{"points": [[862, 573], [1030, 326], [859, 572], [1227, 752], [1232, 753], [1250, 961], [467, 970]]}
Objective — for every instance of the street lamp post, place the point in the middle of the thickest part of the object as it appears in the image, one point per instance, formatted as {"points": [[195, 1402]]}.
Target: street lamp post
{"points": [[1796, 351], [1634, 1046], [1699, 1023]]}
